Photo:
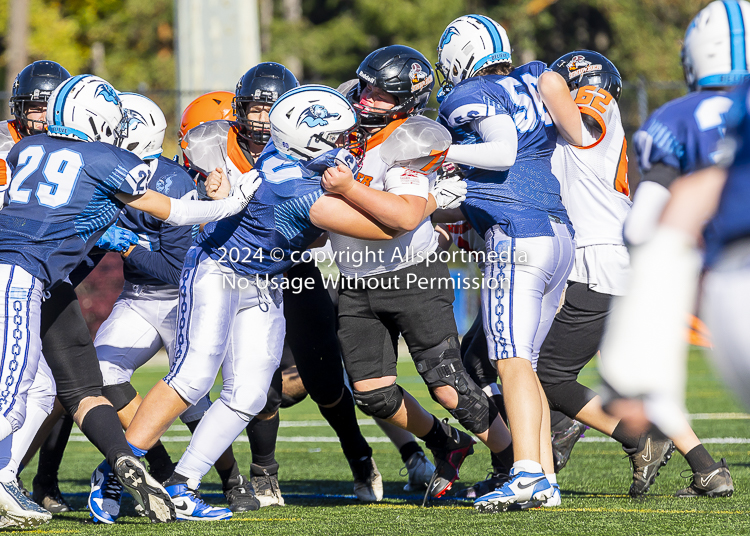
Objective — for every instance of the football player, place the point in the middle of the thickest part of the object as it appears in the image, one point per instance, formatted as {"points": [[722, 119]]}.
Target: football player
{"points": [[232, 279], [506, 140], [309, 313], [394, 83], [681, 137], [46, 235]]}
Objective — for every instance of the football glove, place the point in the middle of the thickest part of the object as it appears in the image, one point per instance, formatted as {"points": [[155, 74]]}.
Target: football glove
{"points": [[117, 239], [449, 192], [245, 187]]}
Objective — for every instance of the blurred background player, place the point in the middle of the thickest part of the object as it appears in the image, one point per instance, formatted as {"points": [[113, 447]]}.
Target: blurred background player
{"points": [[682, 137], [310, 317], [375, 304], [514, 202]]}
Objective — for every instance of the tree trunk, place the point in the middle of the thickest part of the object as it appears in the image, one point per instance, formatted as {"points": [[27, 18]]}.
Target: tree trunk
{"points": [[15, 42]]}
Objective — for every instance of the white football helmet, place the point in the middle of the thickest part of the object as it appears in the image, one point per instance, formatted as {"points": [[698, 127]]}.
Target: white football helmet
{"points": [[310, 120], [471, 43], [716, 50], [86, 108], [146, 126]]}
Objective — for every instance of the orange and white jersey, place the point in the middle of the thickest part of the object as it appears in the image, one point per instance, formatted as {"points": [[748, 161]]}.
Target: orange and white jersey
{"points": [[594, 188], [214, 144], [362, 258], [9, 136], [594, 177]]}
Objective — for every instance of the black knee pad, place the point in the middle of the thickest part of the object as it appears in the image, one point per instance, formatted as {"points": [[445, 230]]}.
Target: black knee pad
{"points": [[119, 395], [382, 403], [441, 366]]}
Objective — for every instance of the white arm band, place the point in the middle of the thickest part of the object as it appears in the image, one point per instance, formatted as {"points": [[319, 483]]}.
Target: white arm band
{"points": [[497, 153], [190, 212]]}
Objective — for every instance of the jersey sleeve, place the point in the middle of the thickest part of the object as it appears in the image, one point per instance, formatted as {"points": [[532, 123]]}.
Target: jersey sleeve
{"points": [[120, 171], [658, 142], [473, 99], [596, 106], [402, 181]]}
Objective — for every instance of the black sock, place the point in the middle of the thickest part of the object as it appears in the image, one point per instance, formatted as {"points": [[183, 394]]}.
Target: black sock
{"points": [[52, 450], [176, 478], [227, 474], [500, 403], [262, 435], [343, 420], [502, 462], [159, 463], [699, 459], [102, 427], [192, 425], [438, 436], [623, 435], [407, 450]]}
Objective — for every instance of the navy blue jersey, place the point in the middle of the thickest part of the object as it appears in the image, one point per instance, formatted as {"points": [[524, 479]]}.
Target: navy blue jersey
{"points": [[160, 254], [684, 133], [61, 199], [521, 199], [732, 219], [260, 240]]}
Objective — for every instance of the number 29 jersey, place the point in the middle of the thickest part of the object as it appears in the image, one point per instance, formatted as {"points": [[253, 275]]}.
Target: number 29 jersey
{"points": [[523, 198], [61, 199]]}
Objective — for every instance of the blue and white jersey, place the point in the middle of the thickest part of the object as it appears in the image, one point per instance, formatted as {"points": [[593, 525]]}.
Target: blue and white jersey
{"points": [[521, 199], [61, 199], [732, 219], [260, 240], [684, 134], [160, 253]]}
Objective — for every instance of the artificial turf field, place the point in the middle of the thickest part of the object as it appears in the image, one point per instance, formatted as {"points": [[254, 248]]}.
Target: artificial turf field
{"points": [[316, 481]]}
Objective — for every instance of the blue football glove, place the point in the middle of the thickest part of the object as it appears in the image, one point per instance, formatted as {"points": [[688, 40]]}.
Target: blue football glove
{"points": [[117, 239]]}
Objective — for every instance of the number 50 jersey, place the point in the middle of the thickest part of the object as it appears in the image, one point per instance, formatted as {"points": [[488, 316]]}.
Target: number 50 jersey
{"points": [[60, 200], [594, 177]]}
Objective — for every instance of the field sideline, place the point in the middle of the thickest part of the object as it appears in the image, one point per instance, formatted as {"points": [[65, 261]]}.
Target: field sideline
{"points": [[316, 481]]}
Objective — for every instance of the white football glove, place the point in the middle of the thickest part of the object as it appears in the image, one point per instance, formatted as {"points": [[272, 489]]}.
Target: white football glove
{"points": [[450, 192], [245, 187]]}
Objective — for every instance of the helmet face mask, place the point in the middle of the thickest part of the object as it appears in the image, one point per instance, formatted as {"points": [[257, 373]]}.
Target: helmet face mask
{"points": [[31, 91], [588, 68], [261, 85], [401, 72]]}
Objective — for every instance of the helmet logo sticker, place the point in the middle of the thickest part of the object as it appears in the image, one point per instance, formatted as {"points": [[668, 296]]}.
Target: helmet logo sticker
{"points": [[579, 65], [367, 77], [447, 36], [419, 78], [315, 116], [134, 119], [108, 92]]}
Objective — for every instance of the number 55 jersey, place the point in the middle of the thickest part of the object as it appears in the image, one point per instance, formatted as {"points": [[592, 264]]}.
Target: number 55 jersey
{"points": [[523, 198]]}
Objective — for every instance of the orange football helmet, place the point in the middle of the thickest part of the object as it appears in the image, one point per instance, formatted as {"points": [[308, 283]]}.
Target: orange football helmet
{"points": [[208, 107]]}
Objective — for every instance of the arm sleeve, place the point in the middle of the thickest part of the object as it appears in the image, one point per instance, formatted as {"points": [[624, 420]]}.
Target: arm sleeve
{"points": [[498, 150], [166, 263], [189, 212]]}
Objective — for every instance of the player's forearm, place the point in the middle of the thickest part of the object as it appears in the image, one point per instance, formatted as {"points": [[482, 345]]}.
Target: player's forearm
{"points": [[393, 211], [337, 215], [564, 111], [181, 212]]}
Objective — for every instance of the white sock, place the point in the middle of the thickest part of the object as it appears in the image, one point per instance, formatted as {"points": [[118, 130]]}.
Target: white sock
{"points": [[217, 430], [552, 479], [14, 447], [528, 466]]}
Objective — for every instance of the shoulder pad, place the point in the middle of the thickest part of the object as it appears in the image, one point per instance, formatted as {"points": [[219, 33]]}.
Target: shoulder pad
{"points": [[419, 144], [6, 140], [205, 146], [596, 106]]}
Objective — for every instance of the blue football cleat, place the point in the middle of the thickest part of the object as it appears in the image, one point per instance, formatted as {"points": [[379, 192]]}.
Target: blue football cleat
{"points": [[189, 506], [106, 495], [522, 487]]}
